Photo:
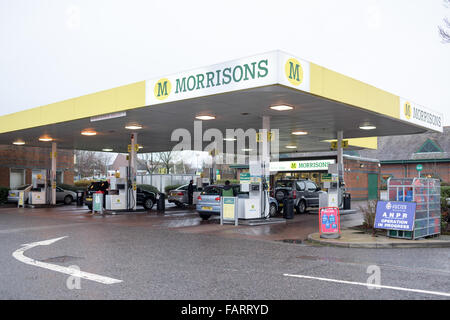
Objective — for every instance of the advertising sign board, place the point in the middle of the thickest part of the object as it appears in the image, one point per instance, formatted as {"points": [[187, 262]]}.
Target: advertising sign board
{"points": [[395, 215], [329, 222], [228, 210]]}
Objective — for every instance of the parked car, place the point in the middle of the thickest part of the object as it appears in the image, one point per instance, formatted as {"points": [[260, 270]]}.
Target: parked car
{"points": [[208, 202], [304, 192], [179, 196], [93, 188], [144, 198], [65, 196], [13, 194]]}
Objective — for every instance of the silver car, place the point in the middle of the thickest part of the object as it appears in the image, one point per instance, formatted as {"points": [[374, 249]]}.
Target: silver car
{"points": [[13, 194], [65, 196], [179, 196]]}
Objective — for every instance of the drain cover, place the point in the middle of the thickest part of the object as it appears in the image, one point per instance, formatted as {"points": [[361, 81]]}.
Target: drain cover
{"points": [[62, 259], [292, 240]]}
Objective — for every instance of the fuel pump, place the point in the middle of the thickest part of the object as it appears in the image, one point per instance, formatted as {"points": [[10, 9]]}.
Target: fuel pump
{"points": [[257, 204], [117, 197], [39, 193], [336, 189]]}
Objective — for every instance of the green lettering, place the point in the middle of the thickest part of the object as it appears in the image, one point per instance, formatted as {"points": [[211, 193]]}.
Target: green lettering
{"points": [[180, 86], [248, 70], [190, 88], [234, 73], [209, 79], [294, 73], [200, 81], [264, 69], [162, 89], [227, 75], [218, 77]]}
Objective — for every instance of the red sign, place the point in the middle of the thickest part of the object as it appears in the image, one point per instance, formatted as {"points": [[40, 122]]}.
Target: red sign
{"points": [[329, 220]]}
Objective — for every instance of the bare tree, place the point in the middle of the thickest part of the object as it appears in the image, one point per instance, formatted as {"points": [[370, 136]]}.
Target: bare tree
{"points": [[444, 31], [90, 163], [166, 160], [151, 161]]}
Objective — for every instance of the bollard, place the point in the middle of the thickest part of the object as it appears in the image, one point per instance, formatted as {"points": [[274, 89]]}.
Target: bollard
{"points": [[161, 202]]}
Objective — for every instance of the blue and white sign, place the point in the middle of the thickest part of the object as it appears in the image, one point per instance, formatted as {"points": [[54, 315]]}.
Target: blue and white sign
{"points": [[395, 215]]}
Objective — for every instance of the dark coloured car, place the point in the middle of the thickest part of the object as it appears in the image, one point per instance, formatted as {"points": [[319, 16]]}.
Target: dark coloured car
{"points": [[93, 188], [145, 198], [304, 192]]}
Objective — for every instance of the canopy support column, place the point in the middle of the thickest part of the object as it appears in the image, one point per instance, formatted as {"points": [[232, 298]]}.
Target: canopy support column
{"points": [[131, 192], [53, 174]]}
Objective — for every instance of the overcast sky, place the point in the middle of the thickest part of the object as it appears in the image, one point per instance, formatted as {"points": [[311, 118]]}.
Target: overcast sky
{"points": [[55, 50]]}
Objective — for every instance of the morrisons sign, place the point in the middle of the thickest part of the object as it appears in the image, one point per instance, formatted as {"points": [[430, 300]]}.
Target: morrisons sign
{"points": [[210, 79], [266, 69]]}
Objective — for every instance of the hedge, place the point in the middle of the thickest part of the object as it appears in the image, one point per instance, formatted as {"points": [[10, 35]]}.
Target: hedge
{"points": [[445, 191], [3, 194], [83, 183], [71, 187], [148, 187], [172, 187]]}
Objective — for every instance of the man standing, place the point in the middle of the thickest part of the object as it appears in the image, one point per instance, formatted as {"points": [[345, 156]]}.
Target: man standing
{"points": [[190, 192], [228, 190]]}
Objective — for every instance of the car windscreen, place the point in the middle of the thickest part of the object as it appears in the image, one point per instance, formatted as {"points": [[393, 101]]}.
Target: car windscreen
{"points": [[283, 184], [22, 187], [212, 190], [101, 185]]}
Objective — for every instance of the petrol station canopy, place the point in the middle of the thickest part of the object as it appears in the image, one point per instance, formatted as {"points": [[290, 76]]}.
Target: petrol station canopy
{"points": [[237, 94]]}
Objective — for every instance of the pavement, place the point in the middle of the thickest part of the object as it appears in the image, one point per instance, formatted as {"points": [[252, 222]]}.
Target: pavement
{"points": [[176, 255], [359, 239]]}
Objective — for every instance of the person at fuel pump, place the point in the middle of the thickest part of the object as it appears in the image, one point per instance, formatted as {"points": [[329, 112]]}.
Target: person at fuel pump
{"points": [[227, 190], [190, 191]]}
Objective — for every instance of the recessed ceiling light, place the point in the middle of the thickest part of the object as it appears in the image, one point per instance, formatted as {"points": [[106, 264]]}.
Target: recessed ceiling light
{"points": [[133, 127], [281, 108], [45, 139], [19, 143], [229, 139], [367, 127], [291, 147], [88, 133], [299, 133], [247, 150], [205, 117], [107, 150]]}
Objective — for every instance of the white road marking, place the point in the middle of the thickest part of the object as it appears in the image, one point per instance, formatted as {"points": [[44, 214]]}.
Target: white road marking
{"points": [[369, 285], [18, 254]]}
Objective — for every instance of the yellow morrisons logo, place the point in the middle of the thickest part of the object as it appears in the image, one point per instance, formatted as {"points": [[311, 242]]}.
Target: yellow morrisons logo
{"points": [[162, 88], [294, 71], [407, 110]]}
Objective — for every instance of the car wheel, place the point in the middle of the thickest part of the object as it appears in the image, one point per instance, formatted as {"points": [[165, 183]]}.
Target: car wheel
{"points": [[68, 200], [148, 203], [301, 208], [205, 216], [280, 195], [180, 205], [273, 211]]}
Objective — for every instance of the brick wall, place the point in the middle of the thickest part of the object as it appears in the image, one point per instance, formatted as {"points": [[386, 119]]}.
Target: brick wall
{"points": [[408, 170], [29, 158], [356, 177]]}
